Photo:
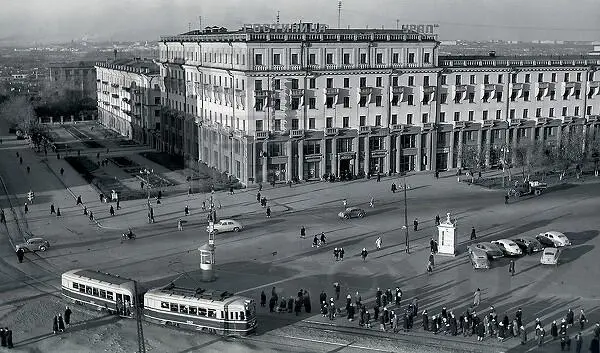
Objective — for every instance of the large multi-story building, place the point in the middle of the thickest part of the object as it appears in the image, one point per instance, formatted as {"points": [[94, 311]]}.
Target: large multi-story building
{"points": [[77, 77], [129, 98], [296, 102]]}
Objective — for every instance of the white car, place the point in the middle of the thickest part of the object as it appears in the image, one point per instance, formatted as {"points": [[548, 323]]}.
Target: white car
{"points": [[226, 225], [553, 238], [550, 256], [508, 247]]}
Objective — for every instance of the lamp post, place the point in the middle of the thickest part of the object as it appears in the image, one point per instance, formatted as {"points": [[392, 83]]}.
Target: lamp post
{"points": [[402, 171], [504, 149], [147, 172]]}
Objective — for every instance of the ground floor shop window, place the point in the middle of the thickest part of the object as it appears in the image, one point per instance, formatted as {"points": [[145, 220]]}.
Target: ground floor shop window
{"points": [[312, 170], [276, 172]]}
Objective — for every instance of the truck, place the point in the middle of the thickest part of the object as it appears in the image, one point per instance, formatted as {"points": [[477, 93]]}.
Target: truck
{"points": [[527, 188]]}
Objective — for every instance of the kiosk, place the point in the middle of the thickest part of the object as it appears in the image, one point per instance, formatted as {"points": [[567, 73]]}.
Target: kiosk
{"points": [[447, 237]]}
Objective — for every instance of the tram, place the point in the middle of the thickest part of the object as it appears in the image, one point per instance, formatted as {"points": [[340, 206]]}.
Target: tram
{"points": [[100, 290], [212, 311]]}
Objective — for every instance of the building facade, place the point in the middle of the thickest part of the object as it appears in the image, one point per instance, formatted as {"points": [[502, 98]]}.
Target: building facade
{"points": [[129, 99], [77, 77], [266, 104]]}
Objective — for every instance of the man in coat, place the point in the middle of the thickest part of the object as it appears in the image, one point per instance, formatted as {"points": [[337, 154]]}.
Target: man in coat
{"points": [[68, 313]]}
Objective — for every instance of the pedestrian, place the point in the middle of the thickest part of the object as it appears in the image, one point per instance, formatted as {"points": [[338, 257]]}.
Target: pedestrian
{"points": [[79, 200], [511, 267], [394, 188], [342, 254], [437, 174], [9, 338], [378, 177], [118, 205], [2, 216], [268, 212], [186, 210], [62, 171], [416, 224], [3, 337], [578, 342], [432, 259], [336, 254], [112, 210], [473, 235], [68, 313], [263, 299], [437, 220], [323, 239], [378, 243], [52, 210], [364, 254], [307, 304], [594, 345], [58, 214], [506, 199], [372, 202], [260, 186], [345, 203], [61, 323], [55, 324], [91, 216], [477, 298], [336, 287], [315, 241], [303, 232], [20, 160], [429, 268], [523, 335], [290, 305], [570, 317], [541, 335], [20, 255], [26, 208], [179, 224], [582, 319], [28, 169]]}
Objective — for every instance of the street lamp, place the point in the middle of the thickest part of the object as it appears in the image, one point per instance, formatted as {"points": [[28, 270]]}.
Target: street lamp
{"points": [[406, 236], [147, 172], [504, 150]]}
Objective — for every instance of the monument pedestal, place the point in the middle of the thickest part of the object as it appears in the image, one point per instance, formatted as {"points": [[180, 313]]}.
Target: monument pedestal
{"points": [[447, 237]]}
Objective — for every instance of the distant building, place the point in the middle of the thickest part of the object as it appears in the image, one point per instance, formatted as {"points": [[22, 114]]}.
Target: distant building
{"points": [[129, 98], [79, 77]]}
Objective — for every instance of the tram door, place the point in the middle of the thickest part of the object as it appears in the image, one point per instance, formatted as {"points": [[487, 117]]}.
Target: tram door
{"points": [[226, 321]]}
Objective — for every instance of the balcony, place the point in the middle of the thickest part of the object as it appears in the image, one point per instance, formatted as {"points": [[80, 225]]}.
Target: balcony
{"points": [[364, 130], [429, 89], [545, 85], [114, 95], [517, 122], [330, 66], [543, 121], [365, 91], [400, 127], [296, 92], [261, 135], [489, 87], [261, 93], [398, 89], [461, 88], [460, 124], [331, 131], [572, 84], [594, 84], [332, 91], [260, 68], [567, 119], [592, 118], [105, 82], [115, 85], [296, 133], [295, 67], [428, 126], [487, 123], [278, 68]]}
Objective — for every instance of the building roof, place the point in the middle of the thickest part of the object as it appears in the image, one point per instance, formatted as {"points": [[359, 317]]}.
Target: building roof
{"points": [[141, 66], [73, 65], [501, 61]]}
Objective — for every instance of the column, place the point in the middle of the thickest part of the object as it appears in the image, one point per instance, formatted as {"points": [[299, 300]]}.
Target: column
{"points": [[334, 157], [398, 153], [419, 156], [559, 135], [231, 156], [532, 133], [428, 152], [367, 155], [356, 154], [322, 160], [300, 159], [514, 145], [290, 161], [265, 161], [585, 136], [386, 161], [451, 150], [254, 162], [460, 148], [488, 146]]}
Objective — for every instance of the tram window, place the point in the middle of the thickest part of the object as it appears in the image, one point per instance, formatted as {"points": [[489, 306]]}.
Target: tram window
{"points": [[201, 312], [183, 309], [231, 315], [174, 307], [193, 310], [127, 298], [223, 316], [95, 292], [236, 316], [120, 297], [212, 313], [88, 290], [242, 315], [102, 293], [109, 295], [164, 305], [81, 288], [75, 285]]}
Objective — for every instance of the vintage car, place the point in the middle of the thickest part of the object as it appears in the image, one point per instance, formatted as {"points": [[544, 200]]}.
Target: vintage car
{"points": [[508, 247], [550, 256], [528, 244], [352, 212], [553, 238], [479, 259], [226, 225], [33, 244], [492, 250]]}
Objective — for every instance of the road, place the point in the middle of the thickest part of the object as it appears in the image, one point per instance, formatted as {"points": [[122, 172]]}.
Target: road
{"points": [[270, 253]]}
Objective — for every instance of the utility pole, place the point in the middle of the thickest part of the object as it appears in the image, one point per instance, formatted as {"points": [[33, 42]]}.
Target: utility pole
{"points": [[339, 6], [138, 319], [277, 17], [406, 237], [397, 24]]}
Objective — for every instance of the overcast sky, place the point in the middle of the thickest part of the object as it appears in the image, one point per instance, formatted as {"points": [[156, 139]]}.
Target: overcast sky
{"points": [[61, 20]]}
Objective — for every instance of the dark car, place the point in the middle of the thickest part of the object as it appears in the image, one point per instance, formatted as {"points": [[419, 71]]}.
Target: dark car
{"points": [[352, 212], [529, 245]]}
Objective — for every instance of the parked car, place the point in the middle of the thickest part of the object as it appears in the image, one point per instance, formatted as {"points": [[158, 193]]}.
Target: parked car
{"points": [[492, 250], [479, 259], [508, 247], [550, 256], [352, 212], [553, 238], [226, 225], [33, 244], [529, 244]]}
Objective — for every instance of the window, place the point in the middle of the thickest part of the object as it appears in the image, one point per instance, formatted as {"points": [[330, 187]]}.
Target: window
{"points": [[425, 81], [444, 80], [329, 82], [538, 112], [363, 101], [276, 59], [377, 120], [395, 58], [295, 103], [294, 124], [311, 123], [553, 77], [346, 82], [277, 149], [458, 80], [409, 119], [312, 103], [512, 114], [551, 112], [258, 59], [346, 121], [259, 125], [552, 95], [174, 307], [362, 120], [442, 117], [410, 99], [378, 81], [411, 80], [312, 83], [258, 85], [363, 58], [363, 82], [472, 79], [471, 97], [183, 309], [578, 77], [566, 77], [164, 305], [346, 102], [456, 116], [295, 83], [527, 78], [541, 77], [277, 104], [88, 290], [193, 310], [500, 78], [514, 78], [394, 118], [424, 117], [378, 101], [484, 115], [426, 97], [576, 112], [156, 100], [312, 59], [329, 102], [588, 110], [443, 98], [109, 295], [486, 79], [411, 58], [427, 58], [277, 84], [212, 313], [294, 59], [526, 96], [498, 114], [277, 126], [525, 113], [379, 58], [259, 104], [346, 59], [564, 111], [329, 58], [75, 285]]}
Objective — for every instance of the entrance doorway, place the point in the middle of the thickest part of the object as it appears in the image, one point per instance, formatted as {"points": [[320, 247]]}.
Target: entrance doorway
{"points": [[346, 169], [441, 161]]}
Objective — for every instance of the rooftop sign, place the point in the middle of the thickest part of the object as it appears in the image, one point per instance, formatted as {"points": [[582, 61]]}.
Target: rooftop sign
{"points": [[285, 28], [422, 29]]}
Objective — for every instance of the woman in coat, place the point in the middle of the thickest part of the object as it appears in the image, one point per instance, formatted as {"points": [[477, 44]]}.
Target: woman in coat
{"points": [[425, 320], [55, 324], [480, 331], [523, 335]]}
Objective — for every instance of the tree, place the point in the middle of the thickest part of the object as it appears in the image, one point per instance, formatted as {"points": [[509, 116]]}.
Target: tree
{"points": [[570, 153], [18, 112]]}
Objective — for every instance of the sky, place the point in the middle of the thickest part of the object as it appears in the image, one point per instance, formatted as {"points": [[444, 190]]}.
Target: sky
{"points": [[43, 21]]}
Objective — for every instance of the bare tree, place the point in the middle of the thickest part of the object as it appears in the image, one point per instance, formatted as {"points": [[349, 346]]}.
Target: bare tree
{"points": [[570, 153], [522, 156], [18, 112]]}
